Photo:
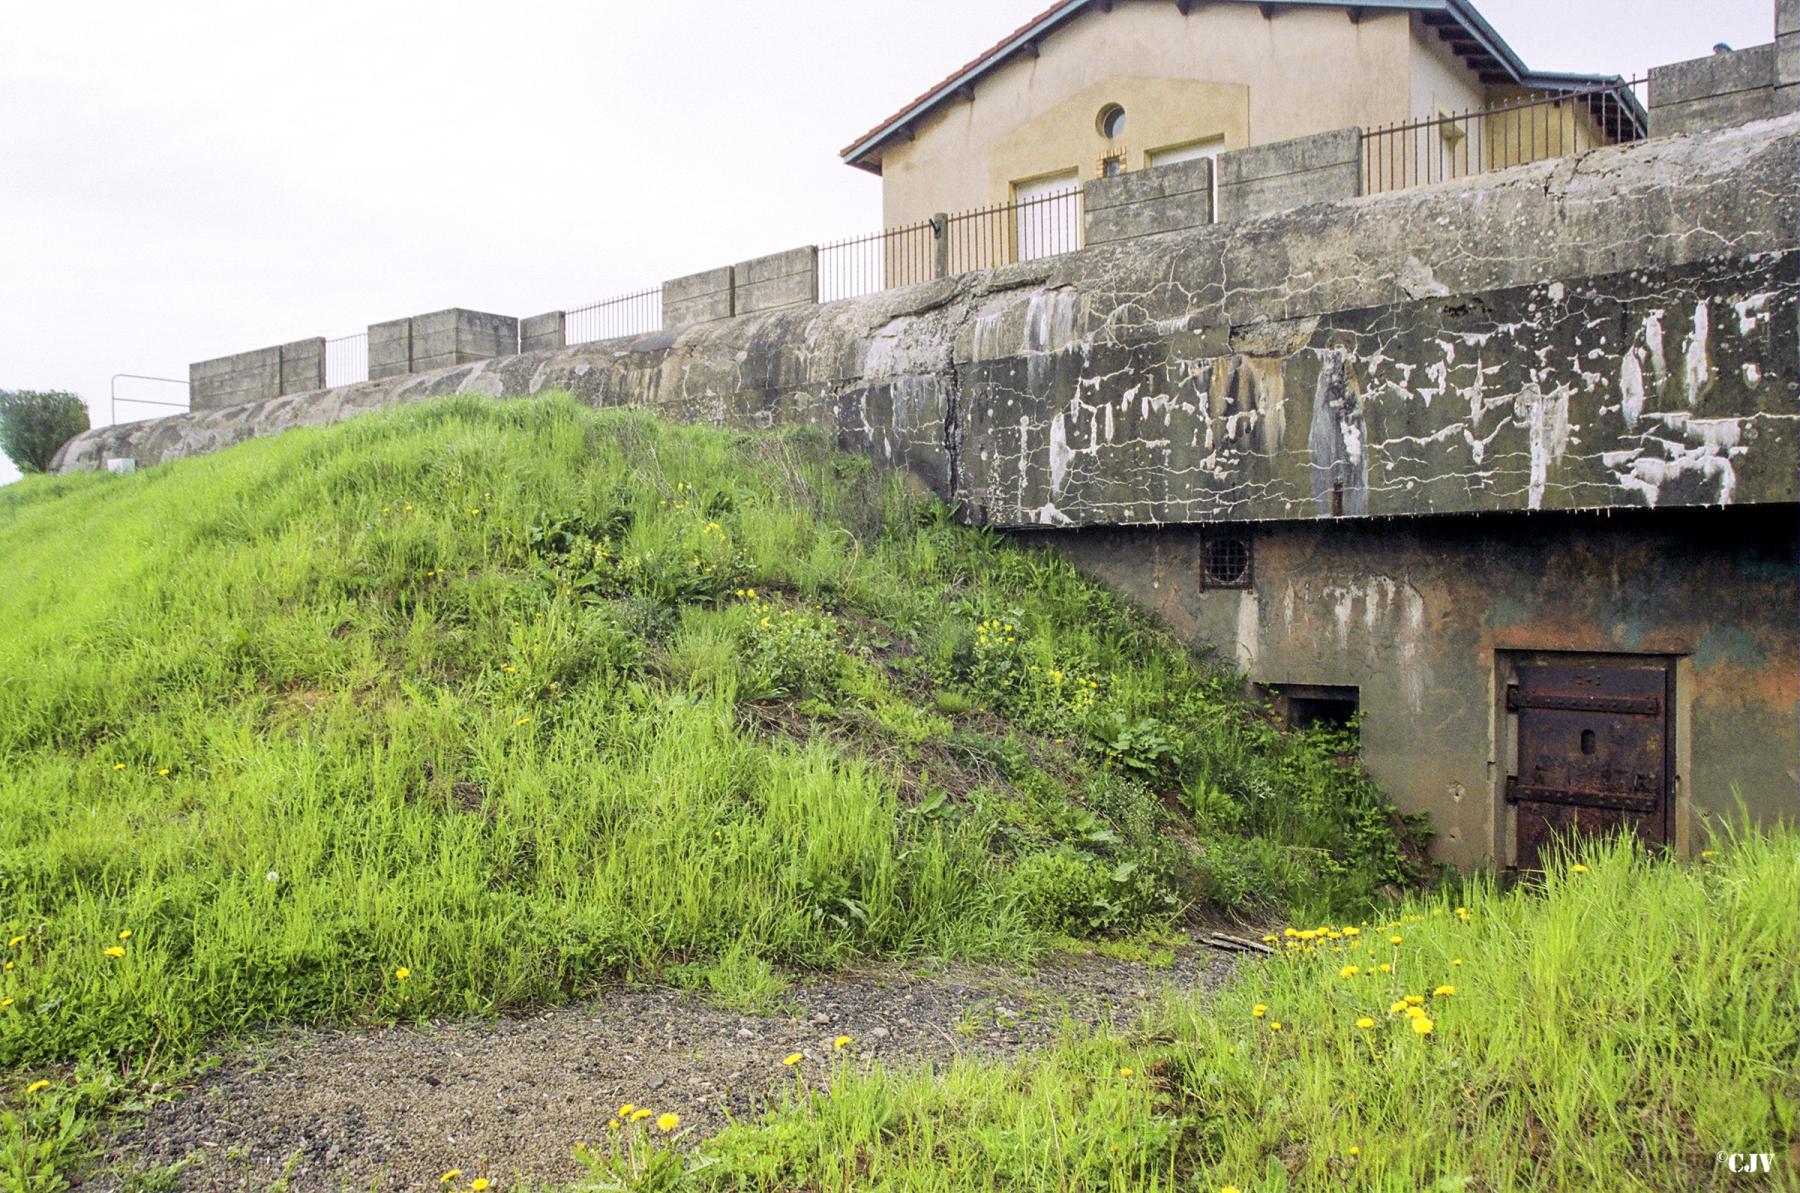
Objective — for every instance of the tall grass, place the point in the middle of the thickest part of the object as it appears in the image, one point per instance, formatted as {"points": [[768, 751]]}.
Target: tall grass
{"points": [[469, 707], [1622, 1027]]}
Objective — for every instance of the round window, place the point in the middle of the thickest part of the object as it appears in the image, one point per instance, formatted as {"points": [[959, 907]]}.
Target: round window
{"points": [[1112, 121]]}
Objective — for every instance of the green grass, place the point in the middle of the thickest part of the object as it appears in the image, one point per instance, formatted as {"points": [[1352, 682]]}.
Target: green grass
{"points": [[485, 705], [1616, 1029]]}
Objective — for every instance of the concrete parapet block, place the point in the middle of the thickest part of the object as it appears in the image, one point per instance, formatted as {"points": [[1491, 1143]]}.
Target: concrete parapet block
{"points": [[1787, 56], [1145, 202], [442, 338], [303, 366], [1717, 91], [788, 279], [390, 348], [545, 332], [1266, 179], [699, 297], [254, 376]]}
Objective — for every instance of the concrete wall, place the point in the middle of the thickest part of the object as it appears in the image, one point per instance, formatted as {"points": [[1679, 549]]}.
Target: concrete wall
{"points": [[1144, 202], [1321, 168], [1787, 55], [1420, 615], [257, 375], [698, 298], [541, 333], [1713, 92], [441, 339], [776, 281], [1220, 70]]}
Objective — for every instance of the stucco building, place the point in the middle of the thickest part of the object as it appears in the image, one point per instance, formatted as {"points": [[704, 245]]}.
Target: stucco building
{"points": [[1090, 88]]}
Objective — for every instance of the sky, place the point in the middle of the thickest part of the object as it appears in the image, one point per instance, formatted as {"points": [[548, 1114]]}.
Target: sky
{"points": [[188, 179]]}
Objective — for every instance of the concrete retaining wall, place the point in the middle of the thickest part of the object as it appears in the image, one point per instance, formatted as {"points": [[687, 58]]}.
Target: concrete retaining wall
{"points": [[1145, 202], [1266, 179], [698, 298], [420, 343], [1717, 91], [543, 332], [254, 376], [776, 281]]}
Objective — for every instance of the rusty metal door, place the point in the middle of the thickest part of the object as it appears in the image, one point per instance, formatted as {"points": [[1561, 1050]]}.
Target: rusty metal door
{"points": [[1595, 751]]}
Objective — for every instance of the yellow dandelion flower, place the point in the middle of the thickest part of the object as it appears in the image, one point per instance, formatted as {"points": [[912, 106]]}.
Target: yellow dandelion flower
{"points": [[641, 1113], [449, 1176], [164, 772], [841, 1042], [1365, 1023], [35, 1086], [114, 952], [1444, 991], [1275, 1026], [4, 1003], [667, 1122], [1456, 961], [613, 1126], [625, 1110], [1258, 1011], [1414, 1013], [15, 942], [1354, 1150], [1578, 868], [1125, 1071], [1352, 931], [1415, 1000], [478, 1184], [1228, 1189], [1397, 1007], [792, 1059], [118, 766], [125, 934], [1349, 971], [1269, 939], [401, 974], [1422, 1026], [1395, 939], [521, 721], [1385, 967]]}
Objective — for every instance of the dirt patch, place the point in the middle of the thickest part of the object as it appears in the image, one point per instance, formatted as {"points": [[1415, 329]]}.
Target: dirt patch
{"points": [[395, 1107]]}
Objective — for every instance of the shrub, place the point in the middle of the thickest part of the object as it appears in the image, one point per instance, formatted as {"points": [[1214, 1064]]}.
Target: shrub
{"points": [[34, 423]]}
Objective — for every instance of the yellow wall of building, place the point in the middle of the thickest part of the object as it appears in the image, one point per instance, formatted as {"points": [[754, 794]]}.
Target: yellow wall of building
{"points": [[1222, 70]]}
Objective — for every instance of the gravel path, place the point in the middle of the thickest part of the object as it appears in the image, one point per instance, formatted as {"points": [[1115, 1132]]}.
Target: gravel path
{"points": [[393, 1108]]}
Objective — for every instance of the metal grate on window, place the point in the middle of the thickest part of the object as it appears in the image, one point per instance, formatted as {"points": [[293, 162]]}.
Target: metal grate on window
{"points": [[1225, 562]]}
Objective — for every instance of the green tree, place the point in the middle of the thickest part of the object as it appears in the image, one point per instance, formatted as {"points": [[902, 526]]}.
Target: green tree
{"points": [[34, 423]]}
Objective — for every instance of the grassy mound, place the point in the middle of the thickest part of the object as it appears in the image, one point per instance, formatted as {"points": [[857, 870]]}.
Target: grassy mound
{"points": [[480, 705], [1624, 1027]]}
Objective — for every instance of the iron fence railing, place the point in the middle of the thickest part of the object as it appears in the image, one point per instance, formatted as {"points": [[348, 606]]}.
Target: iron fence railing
{"points": [[1023, 230], [347, 359], [982, 238], [130, 400], [891, 257], [627, 315], [1529, 129]]}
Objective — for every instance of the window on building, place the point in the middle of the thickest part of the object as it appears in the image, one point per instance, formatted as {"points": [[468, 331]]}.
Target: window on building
{"points": [[1225, 561], [1112, 165], [1111, 121]]}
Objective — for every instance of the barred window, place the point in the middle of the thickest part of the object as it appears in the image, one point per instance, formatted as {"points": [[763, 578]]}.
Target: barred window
{"points": [[1225, 562]]}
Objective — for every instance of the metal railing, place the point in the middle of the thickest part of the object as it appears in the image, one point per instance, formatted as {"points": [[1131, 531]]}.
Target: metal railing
{"points": [[347, 360], [944, 245], [130, 401], [1532, 128], [891, 257], [1023, 230], [627, 315]]}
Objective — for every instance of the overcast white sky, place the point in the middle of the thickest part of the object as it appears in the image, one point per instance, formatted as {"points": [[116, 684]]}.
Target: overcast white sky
{"points": [[182, 180]]}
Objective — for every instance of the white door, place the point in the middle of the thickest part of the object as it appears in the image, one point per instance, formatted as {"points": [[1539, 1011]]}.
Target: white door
{"points": [[1047, 215], [1211, 147]]}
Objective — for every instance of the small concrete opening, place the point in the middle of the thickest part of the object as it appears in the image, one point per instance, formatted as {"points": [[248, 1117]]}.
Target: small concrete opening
{"points": [[1305, 706]]}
